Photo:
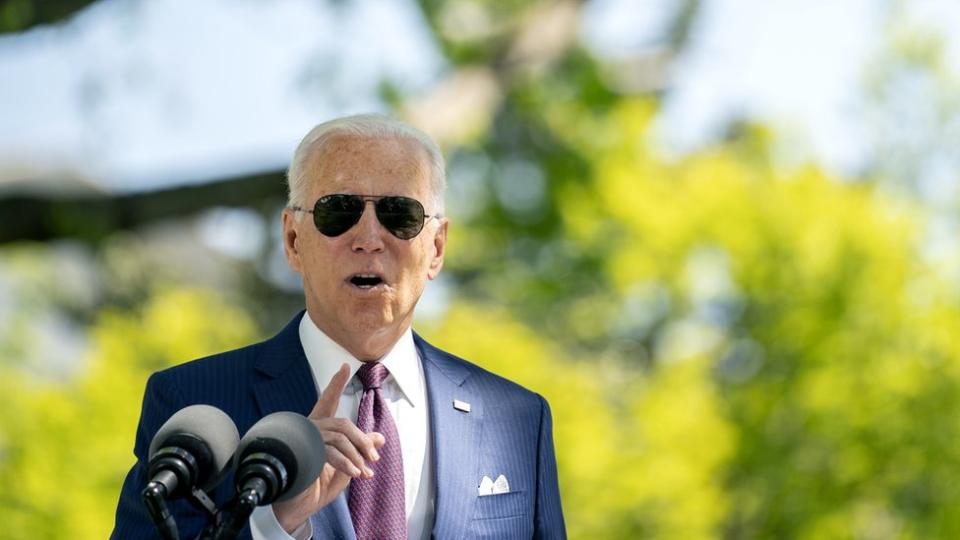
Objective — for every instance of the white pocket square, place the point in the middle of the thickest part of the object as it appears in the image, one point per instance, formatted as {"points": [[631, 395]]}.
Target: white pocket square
{"points": [[491, 487]]}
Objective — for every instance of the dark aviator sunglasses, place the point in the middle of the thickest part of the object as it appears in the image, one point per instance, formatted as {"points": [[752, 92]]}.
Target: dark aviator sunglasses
{"points": [[336, 214]]}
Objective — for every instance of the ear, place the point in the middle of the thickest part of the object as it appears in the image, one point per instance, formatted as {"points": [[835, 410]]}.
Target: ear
{"points": [[290, 234], [439, 249]]}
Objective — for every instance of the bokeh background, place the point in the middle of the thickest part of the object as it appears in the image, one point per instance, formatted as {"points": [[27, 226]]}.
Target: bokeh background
{"points": [[720, 236]]}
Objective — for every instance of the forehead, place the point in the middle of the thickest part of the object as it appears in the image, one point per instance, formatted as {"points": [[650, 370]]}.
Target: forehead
{"points": [[369, 166]]}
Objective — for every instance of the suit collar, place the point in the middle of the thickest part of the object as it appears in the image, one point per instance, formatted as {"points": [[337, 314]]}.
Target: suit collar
{"points": [[445, 363], [278, 352], [284, 381]]}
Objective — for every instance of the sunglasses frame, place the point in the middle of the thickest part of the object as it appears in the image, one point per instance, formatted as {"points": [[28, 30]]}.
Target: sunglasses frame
{"points": [[375, 199]]}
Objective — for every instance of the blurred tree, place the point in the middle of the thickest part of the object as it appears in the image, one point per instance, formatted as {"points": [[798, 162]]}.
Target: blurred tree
{"points": [[913, 105], [790, 362], [793, 308], [66, 446], [637, 456], [93, 218], [731, 349], [20, 15]]}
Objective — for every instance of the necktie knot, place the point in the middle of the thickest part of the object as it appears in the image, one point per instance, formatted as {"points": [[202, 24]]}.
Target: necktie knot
{"points": [[372, 375]]}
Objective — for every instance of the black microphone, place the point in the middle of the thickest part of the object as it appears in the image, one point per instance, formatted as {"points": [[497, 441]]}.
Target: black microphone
{"points": [[193, 449], [277, 459]]}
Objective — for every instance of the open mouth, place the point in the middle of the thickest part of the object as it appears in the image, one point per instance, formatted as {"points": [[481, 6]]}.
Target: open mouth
{"points": [[366, 281]]}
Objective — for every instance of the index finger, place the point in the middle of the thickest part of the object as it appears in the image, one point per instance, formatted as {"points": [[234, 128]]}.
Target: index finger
{"points": [[327, 403]]}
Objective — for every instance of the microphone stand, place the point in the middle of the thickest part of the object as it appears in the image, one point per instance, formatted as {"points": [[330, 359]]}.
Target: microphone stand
{"points": [[241, 508], [260, 479], [155, 497]]}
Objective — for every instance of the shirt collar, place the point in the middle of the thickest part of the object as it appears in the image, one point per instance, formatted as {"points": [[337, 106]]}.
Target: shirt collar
{"points": [[325, 357]]}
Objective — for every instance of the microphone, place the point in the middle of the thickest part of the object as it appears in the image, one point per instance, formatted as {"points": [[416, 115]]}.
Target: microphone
{"points": [[277, 459], [192, 449]]}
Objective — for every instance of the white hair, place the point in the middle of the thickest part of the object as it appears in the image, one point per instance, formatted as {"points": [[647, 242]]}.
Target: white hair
{"points": [[364, 125]]}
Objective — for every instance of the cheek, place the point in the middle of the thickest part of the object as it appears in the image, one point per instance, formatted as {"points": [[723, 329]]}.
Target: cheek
{"points": [[415, 266], [414, 276], [317, 268]]}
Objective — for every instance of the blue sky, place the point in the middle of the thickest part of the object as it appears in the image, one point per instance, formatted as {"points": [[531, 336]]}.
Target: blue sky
{"points": [[140, 94], [135, 95]]}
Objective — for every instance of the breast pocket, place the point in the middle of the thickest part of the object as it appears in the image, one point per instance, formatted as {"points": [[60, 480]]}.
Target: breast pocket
{"points": [[506, 516], [502, 505]]}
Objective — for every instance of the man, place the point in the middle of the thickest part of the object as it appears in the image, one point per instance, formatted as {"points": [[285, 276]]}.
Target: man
{"points": [[419, 443]]}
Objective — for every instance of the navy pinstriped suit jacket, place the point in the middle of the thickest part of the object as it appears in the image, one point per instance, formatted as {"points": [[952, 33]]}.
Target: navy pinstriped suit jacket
{"points": [[507, 431]]}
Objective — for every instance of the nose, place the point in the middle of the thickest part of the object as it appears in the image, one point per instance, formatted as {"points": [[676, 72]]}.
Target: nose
{"points": [[368, 233]]}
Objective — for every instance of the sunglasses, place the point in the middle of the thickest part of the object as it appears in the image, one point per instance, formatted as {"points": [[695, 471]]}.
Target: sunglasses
{"points": [[336, 214]]}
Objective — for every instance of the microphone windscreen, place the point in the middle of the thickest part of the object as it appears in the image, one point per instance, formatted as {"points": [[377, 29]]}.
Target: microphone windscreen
{"points": [[292, 439], [211, 426]]}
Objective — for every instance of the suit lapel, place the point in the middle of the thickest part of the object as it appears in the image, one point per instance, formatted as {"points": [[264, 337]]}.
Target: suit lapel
{"points": [[285, 383], [455, 439]]}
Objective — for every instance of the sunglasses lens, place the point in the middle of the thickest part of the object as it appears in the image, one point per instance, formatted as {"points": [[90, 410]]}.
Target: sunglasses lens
{"points": [[402, 216], [335, 214]]}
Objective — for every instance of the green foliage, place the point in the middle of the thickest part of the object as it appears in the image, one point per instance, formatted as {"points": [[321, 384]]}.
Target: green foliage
{"points": [[20, 15], [636, 455], [730, 349], [66, 446], [790, 354]]}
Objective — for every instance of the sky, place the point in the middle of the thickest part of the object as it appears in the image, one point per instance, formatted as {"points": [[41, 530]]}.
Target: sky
{"points": [[143, 94], [135, 95]]}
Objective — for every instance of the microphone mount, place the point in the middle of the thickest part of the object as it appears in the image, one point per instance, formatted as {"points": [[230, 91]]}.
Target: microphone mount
{"points": [[260, 479]]}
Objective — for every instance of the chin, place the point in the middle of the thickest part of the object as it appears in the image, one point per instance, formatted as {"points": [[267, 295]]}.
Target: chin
{"points": [[371, 320]]}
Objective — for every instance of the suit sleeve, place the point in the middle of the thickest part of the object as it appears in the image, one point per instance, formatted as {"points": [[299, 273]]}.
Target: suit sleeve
{"points": [[548, 521], [160, 401]]}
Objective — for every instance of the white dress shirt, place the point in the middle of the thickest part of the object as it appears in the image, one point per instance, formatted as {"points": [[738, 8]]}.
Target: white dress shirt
{"points": [[406, 395]]}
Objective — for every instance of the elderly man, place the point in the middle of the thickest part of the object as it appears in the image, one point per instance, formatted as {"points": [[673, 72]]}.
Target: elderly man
{"points": [[420, 443]]}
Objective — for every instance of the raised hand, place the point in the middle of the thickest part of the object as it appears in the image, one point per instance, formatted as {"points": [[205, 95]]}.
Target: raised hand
{"points": [[348, 451]]}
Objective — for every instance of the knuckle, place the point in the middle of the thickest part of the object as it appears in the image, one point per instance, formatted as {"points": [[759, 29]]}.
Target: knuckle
{"points": [[341, 463], [335, 456], [335, 437]]}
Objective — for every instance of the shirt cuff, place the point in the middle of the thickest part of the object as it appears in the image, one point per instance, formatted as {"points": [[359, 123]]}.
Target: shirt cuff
{"points": [[264, 526]]}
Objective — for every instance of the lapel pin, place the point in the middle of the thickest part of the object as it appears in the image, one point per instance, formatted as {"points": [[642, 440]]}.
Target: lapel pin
{"points": [[461, 405]]}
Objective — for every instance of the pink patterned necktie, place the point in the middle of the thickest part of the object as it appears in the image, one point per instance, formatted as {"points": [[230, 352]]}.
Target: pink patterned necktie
{"points": [[377, 505]]}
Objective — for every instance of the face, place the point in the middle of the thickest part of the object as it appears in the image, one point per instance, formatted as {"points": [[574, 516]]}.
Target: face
{"points": [[337, 271]]}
